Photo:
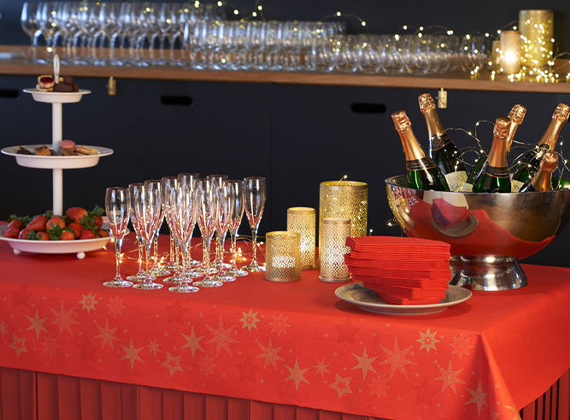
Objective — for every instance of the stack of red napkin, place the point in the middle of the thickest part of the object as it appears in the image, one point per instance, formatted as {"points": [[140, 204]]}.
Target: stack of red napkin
{"points": [[403, 271]]}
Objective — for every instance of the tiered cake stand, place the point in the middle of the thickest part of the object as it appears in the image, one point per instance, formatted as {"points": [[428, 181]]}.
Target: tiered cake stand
{"points": [[57, 164]]}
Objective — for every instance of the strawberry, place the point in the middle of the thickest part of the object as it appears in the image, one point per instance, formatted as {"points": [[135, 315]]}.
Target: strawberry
{"points": [[26, 234], [42, 236], [54, 222], [37, 223], [17, 223], [75, 214], [67, 235], [11, 231], [87, 234], [98, 221], [76, 228], [103, 233]]}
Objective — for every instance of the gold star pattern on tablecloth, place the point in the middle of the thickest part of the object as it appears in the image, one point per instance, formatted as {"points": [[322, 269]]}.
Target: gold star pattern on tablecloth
{"points": [[247, 371], [428, 340], [222, 338], [18, 345], [36, 324], [64, 319], [478, 397], [107, 335], [50, 345], [207, 365], [449, 377], [249, 320], [172, 363], [425, 393], [341, 385], [379, 387], [364, 363], [153, 347], [397, 359], [279, 325], [461, 345], [192, 342], [115, 306], [321, 367], [88, 302], [132, 354], [297, 375], [269, 355]]}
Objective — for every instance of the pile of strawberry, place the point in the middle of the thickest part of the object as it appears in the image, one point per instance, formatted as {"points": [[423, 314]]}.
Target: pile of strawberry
{"points": [[77, 223]]}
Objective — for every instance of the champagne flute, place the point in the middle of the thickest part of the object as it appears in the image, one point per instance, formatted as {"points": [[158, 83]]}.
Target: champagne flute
{"points": [[206, 200], [254, 188], [170, 183], [117, 209], [236, 197], [224, 213], [134, 190], [191, 180]]}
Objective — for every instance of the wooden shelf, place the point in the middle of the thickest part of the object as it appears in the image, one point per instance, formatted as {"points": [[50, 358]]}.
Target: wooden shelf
{"points": [[15, 66]]}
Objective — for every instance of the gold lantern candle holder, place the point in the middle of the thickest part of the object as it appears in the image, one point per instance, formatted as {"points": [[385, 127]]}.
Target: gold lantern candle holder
{"points": [[537, 31], [303, 221], [283, 256], [344, 199], [510, 57], [334, 231]]}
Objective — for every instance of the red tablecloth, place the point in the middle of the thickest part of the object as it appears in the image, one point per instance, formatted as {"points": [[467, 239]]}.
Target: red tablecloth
{"points": [[289, 343]]}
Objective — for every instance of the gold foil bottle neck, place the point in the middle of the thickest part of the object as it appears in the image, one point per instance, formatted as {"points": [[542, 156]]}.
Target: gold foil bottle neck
{"points": [[502, 126], [401, 121], [549, 161], [561, 113], [426, 102], [517, 114]]}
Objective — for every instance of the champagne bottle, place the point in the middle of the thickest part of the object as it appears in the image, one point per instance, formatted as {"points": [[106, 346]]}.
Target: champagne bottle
{"points": [[542, 181], [529, 164], [516, 115], [442, 150], [421, 172], [495, 174]]}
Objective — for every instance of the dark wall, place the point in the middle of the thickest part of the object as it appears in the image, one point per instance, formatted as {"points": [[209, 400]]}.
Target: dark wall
{"points": [[296, 136]]}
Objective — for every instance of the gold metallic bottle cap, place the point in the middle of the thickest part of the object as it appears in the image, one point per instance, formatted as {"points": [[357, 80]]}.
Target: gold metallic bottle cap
{"points": [[517, 114], [549, 161], [502, 126], [401, 121], [561, 113], [426, 102]]}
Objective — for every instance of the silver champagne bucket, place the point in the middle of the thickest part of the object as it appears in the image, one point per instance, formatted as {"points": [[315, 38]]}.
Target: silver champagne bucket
{"points": [[489, 233]]}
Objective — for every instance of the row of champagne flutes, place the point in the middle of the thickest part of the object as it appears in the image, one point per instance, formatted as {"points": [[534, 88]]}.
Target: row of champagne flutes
{"points": [[215, 203]]}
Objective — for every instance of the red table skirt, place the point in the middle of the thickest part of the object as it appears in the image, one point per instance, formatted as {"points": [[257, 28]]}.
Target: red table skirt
{"points": [[27, 395]]}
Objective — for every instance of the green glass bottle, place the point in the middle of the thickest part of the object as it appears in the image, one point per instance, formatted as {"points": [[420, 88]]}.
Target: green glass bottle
{"points": [[495, 174], [542, 181], [529, 164], [516, 115], [421, 172], [442, 150]]}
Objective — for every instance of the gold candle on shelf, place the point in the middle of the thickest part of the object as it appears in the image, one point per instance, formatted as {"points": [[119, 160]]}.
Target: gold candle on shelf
{"points": [[334, 231], [303, 221], [537, 31], [510, 46], [496, 55], [346, 199], [283, 256]]}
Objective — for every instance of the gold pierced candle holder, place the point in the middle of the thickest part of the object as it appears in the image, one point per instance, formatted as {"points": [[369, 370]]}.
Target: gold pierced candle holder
{"points": [[334, 231], [345, 199], [303, 221], [283, 256], [537, 31]]}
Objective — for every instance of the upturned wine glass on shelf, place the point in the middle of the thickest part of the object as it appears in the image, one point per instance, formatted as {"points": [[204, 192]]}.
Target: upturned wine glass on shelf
{"points": [[254, 189], [206, 212], [141, 274], [236, 198], [117, 209]]}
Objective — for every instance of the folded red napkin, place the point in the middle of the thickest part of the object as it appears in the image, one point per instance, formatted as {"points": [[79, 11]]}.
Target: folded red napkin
{"points": [[366, 242], [405, 264], [408, 292], [415, 282], [401, 273], [402, 301], [405, 255]]}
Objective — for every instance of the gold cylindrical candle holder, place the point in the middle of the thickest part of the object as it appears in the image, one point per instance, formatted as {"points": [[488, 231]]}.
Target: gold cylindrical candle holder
{"points": [[303, 221], [345, 199], [510, 46], [334, 231], [537, 31], [496, 55], [283, 256]]}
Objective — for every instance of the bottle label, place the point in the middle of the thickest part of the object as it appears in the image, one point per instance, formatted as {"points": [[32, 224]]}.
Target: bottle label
{"points": [[467, 187], [456, 180], [497, 171], [420, 164], [516, 185]]}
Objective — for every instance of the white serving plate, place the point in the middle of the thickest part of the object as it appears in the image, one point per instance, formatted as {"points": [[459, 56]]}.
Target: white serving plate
{"points": [[78, 246], [56, 162], [57, 97], [369, 300]]}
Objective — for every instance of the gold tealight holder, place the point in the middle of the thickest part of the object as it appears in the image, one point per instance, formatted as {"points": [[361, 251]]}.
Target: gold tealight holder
{"points": [[537, 31], [283, 256], [303, 221], [334, 231], [345, 199], [510, 46]]}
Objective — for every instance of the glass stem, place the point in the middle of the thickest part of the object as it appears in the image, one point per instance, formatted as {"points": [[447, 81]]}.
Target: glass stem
{"points": [[219, 251], [148, 249], [254, 245], [222, 248], [185, 265], [172, 249], [207, 242], [139, 240], [118, 245], [155, 245], [234, 251]]}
